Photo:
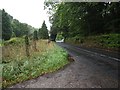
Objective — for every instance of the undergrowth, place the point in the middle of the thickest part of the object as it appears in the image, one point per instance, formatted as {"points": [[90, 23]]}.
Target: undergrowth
{"points": [[110, 41], [48, 58]]}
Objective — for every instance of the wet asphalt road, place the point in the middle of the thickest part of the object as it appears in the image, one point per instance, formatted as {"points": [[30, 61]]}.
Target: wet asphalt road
{"points": [[103, 66], [88, 70]]}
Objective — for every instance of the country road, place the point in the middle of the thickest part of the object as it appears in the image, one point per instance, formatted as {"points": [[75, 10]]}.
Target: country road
{"points": [[90, 69]]}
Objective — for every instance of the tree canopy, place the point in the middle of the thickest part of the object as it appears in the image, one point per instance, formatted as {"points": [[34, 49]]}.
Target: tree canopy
{"points": [[13, 28], [6, 26], [43, 32], [81, 19]]}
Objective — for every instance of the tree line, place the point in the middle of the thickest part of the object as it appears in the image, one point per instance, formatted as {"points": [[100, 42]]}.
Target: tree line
{"points": [[81, 19], [13, 28]]}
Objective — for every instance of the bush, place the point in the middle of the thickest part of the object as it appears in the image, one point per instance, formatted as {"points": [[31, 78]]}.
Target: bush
{"points": [[14, 41], [105, 41], [109, 40]]}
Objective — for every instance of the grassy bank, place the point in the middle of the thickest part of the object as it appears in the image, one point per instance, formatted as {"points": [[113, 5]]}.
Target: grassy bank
{"points": [[17, 67], [106, 41]]}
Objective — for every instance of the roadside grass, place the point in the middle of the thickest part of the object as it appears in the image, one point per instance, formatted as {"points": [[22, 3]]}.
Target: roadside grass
{"points": [[18, 68], [105, 41]]}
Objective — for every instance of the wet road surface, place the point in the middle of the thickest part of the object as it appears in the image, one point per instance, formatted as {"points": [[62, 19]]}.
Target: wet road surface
{"points": [[88, 70]]}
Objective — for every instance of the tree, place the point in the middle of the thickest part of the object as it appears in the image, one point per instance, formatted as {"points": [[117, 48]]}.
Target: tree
{"points": [[6, 26], [35, 36], [20, 29], [43, 32], [0, 25], [84, 19], [53, 33], [13, 28]]}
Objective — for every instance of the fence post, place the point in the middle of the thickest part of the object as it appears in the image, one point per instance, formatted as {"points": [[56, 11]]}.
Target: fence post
{"points": [[27, 46], [35, 38]]}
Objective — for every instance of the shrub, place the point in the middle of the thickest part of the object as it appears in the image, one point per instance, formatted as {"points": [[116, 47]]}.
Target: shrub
{"points": [[14, 41]]}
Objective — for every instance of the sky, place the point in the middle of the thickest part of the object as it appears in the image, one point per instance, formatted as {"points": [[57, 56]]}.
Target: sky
{"points": [[27, 11]]}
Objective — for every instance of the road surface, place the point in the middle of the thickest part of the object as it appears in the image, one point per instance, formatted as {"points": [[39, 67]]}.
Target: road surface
{"points": [[89, 69]]}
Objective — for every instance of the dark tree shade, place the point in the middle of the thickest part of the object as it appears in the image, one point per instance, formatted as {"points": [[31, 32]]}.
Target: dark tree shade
{"points": [[53, 34], [85, 18], [6, 26], [35, 36]]}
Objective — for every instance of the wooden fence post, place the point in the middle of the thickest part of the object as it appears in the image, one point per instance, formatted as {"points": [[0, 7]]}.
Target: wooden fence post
{"points": [[35, 38], [27, 46]]}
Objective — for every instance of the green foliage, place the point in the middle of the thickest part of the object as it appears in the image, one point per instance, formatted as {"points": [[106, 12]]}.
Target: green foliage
{"points": [[6, 26], [13, 35], [109, 40], [43, 32], [20, 70], [104, 41], [14, 41], [59, 36], [85, 19], [1, 43], [35, 36], [19, 29], [53, 34], [13, 28]]}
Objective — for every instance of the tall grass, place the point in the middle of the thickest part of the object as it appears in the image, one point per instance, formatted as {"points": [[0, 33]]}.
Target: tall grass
{"points": [[105, 41], [17, 67], [13, 50]]}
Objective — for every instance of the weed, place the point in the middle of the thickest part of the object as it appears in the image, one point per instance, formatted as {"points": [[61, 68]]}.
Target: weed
{"points": [[17, 67]]}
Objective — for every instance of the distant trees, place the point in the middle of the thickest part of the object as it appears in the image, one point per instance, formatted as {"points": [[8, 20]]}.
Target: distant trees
{"points": [[6, 26], [77, 19], [43, 32], [20, 29], [35, 35], [13, 28]]}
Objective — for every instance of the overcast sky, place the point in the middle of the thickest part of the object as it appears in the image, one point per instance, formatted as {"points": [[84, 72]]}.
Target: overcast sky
{"points": [[26, 11]]}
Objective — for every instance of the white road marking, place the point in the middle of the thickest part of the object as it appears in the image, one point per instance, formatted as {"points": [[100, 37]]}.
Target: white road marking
{"points": [[102, 55]]}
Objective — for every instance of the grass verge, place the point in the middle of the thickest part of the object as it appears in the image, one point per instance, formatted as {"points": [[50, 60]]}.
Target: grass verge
{"points": [[106, 41], [19, 70]]}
